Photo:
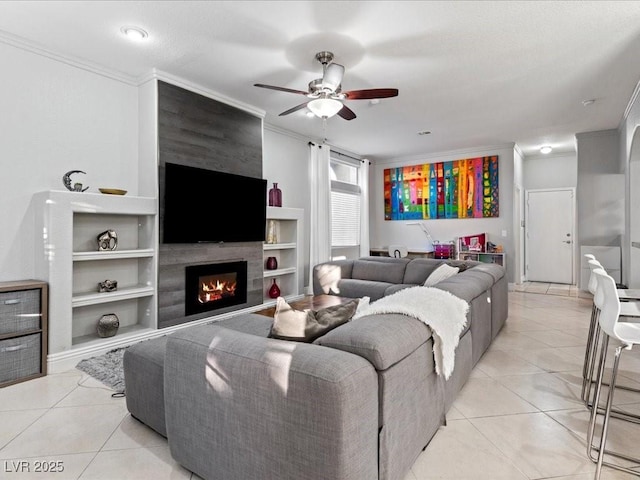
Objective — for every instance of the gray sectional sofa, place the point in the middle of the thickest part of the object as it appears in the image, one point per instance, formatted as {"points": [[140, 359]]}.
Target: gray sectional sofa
{"points": [[359, 403]]}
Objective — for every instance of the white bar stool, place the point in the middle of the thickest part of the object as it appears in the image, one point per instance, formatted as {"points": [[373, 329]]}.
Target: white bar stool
{"points": [[625, 335], [630, 309]]}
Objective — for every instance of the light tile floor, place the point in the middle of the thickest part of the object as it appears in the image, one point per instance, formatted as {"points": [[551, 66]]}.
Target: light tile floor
{"points": [[549, 289], [518, 417]]}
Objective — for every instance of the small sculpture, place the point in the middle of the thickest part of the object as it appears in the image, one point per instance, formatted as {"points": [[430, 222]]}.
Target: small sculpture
{"points": [[107, 286], [77, 187], [107, 240], [108, 325]]}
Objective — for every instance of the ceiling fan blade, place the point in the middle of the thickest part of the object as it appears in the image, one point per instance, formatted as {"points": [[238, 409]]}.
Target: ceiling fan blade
{"points": [[333, 76], [294, 109], [346, 113], [280, 89], [371, 93]]}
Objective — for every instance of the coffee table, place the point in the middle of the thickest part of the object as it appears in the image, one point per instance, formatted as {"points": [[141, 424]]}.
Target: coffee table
{"points": [[309, 302]]}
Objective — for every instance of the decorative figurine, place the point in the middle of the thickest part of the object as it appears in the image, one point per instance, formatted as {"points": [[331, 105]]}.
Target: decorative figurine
{"points": [[107, 286], [107, 240], [108, 325], [77, 187]]}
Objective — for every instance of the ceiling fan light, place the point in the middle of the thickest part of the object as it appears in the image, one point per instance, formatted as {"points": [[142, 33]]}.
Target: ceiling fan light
{"points": [[324, 107]]}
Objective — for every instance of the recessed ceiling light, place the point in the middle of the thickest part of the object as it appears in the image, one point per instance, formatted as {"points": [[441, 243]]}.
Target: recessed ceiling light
{"points": [[134, 33], [546, 149]]}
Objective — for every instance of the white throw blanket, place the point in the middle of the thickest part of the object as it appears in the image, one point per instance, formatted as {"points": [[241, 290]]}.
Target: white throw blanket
{"points": [[442, 311]]}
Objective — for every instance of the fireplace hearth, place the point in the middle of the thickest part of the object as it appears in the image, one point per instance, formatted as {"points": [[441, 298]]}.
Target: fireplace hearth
{"points": [[214, 286]]}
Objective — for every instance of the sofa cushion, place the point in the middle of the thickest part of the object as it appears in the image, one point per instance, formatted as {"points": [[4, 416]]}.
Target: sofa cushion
{"points": [[307, 325], [419, 269], [382, 339], [441, 273], [496, 271], [397, 288], [467, 285], [380, 270], [352, 288]]}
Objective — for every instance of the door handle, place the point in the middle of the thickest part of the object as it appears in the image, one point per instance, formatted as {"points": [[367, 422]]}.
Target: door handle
{"points": [[566, 241]]}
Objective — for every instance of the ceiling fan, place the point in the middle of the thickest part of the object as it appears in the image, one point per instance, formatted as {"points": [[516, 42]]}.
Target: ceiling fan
{"points": [[326, 95]]}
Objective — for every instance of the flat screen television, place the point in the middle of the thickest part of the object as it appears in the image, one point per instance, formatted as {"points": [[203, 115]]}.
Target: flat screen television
{"points": [[202, 206]]}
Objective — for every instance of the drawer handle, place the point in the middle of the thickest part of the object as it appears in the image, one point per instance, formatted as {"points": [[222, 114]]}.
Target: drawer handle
{"points": [[13, 349], [12, 301]]}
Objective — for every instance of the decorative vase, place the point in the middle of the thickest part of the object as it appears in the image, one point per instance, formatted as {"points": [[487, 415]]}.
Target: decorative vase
{"points": [[274, 291], [108, 325], [272, 231], [275, 196], [272, 263]]}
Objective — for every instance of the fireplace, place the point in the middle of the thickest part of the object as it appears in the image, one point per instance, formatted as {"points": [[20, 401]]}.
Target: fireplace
{"points": [[214, 286]]}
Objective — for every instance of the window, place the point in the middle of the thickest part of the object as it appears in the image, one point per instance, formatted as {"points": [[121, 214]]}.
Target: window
{"points": [[346, 201]]}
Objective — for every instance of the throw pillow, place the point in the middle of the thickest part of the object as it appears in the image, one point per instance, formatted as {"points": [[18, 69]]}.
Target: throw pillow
{"points": [[443, 272], [307, 325]]}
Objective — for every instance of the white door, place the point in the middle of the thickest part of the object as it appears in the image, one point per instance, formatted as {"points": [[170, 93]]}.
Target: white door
{"points": [[549, 235]]}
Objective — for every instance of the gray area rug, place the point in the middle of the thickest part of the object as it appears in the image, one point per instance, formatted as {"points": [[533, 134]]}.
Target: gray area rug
{"points": [[106, 368]]}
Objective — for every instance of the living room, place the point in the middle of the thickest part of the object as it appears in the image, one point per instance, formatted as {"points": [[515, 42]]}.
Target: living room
{"points": [[69, 113]]}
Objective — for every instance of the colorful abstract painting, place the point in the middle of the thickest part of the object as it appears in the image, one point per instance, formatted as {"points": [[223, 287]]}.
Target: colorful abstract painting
{"points": [[456, 189]]}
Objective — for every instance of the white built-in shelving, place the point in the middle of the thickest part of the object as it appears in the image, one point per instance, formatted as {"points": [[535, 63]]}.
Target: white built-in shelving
{"points": [[69, 260], [287, 251]]}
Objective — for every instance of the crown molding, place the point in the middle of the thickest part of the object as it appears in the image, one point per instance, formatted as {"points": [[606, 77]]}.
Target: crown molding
{"points": [[598, 133], [632, 101], [289, 133], [438, 156], [32, 47], [518, 150], [196, 88]]}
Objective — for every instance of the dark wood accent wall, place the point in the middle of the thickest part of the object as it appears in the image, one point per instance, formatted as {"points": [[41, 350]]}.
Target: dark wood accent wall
{"points": [[198, 131]]}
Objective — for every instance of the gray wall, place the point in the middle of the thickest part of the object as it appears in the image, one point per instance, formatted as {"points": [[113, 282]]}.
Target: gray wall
{"points": [[198, 131], [600, 189]]}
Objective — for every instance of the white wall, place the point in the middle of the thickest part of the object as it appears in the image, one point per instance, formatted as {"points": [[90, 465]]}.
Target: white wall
{"points": [[60, 117], [550, 171], [518, 216], [285, 160], [629, 147], [386, 232], [57, 117]]}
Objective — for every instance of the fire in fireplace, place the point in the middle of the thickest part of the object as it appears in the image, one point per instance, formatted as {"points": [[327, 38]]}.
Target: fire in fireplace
{"points": [[214, 286], [217, 287]]}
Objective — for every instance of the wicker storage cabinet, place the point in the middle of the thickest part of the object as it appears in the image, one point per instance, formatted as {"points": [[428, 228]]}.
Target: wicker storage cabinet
{"points": [[23, 331]]}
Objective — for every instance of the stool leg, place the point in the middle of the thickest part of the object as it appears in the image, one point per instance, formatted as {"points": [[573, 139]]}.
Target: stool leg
{"points": [[588, 353], [592, 363], [596, 398], [607, 413]]}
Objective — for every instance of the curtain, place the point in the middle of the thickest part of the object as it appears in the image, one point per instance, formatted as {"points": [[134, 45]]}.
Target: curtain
{"points": [[320, 187], [363, 182]]}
